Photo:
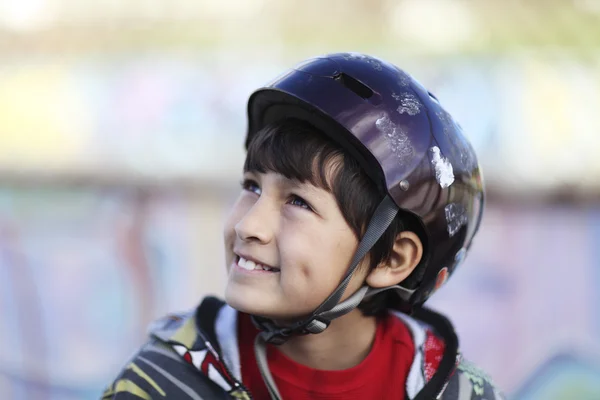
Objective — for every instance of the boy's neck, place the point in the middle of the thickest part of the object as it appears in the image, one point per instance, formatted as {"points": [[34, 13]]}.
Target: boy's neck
{"points": [[344, 344]]}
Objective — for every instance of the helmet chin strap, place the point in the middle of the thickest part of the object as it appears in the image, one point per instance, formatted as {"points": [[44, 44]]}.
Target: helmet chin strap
{"points": [[331, 308]]}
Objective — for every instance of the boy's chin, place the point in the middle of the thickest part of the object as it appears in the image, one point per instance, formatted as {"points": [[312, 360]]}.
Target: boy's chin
{"points": [[259, 307], [246, 303]]}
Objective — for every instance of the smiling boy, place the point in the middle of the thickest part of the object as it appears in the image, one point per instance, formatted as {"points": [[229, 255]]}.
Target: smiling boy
{"points": [[360, 197]]}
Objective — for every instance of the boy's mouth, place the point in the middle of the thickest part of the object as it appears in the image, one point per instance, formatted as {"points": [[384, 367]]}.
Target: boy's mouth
{"points": [[250, 265]]}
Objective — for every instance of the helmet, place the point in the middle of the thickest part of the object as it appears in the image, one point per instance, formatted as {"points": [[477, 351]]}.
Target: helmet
{"points": [[404, 140]]}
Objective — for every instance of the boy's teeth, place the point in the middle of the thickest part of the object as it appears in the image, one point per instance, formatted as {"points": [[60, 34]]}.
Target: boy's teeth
{"points": [[244, 263], [251, 265]]}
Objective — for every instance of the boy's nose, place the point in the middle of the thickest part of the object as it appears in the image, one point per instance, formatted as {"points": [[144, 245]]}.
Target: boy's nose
{"points": [[254, 226]]}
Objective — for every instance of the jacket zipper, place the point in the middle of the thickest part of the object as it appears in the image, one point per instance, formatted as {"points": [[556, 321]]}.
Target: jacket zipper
{"points": [[237, 384]]}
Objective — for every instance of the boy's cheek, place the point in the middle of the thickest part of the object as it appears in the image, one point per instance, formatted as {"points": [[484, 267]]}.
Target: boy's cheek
{"points": [[229, 234]]}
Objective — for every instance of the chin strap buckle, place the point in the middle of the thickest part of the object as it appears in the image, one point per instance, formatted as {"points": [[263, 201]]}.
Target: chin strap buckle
{"points": [[271, 333], [316, 325]]}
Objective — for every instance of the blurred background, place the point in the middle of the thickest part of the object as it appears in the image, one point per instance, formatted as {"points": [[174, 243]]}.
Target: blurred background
{"points": [[121, 128]]}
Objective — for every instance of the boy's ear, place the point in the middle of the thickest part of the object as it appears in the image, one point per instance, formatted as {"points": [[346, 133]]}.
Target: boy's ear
{"points": [[405, 256]]}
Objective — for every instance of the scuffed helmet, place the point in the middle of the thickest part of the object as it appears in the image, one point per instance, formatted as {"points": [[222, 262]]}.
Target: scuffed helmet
{"points": [[403, 138]]}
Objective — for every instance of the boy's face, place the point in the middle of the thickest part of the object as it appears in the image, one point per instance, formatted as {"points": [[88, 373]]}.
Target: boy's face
{"points": [[297, 230]]}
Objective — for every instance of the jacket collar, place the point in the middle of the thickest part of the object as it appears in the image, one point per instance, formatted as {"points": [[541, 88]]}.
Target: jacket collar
{"points": [[207, 339]]}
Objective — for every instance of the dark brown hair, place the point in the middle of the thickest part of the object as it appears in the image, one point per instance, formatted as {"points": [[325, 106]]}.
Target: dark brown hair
{"points": [[298, 151]]}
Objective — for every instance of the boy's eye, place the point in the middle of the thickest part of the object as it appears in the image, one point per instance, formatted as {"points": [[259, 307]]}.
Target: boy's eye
{"points": [[251, 186], [299, 202]]}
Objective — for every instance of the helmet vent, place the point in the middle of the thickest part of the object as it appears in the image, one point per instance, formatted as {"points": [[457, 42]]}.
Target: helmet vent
{"points": [[433, 97], [354, 85]]}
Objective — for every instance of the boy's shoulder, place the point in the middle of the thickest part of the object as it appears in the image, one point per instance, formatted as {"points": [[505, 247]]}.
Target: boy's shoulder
{"points": [[469, 382], [174, 324], [457, 380], [159, 369]]}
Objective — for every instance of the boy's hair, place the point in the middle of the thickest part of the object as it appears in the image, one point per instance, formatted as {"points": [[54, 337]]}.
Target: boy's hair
{"points": [[299, 151]]}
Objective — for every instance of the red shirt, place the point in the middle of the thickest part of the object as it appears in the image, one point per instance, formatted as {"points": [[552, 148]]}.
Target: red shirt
{"points": [[381, 375]]}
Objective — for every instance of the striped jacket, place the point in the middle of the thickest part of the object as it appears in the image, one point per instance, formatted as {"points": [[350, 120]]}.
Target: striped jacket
{"points": [[195, 356]]}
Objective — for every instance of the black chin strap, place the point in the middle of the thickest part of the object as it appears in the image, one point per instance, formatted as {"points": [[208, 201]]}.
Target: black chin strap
{"points": [[331, 308]]}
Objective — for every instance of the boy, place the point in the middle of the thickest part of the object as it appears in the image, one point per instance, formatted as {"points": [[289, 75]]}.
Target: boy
{"points": [[359, 199]]}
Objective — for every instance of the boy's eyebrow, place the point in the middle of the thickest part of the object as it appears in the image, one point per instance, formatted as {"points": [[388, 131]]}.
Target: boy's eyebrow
{"points": [[294, 183]]}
